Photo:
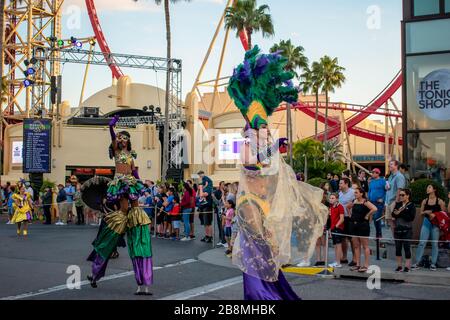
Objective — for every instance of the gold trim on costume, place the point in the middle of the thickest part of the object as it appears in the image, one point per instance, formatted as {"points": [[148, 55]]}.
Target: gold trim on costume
{"points": [[256, 109], [137, 217], [117, 221], [263, 204]]}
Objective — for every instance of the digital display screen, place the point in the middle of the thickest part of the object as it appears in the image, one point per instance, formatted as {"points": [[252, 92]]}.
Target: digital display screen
{"points": [[17, 152], [230, 146]]}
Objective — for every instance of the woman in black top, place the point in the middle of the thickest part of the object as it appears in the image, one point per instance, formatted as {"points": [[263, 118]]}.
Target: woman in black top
{"points": [[430, 205], [361, 215], [403, 216]]}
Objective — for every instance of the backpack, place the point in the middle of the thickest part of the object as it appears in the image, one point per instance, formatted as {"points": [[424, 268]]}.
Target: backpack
{"points": [[426, 262]]}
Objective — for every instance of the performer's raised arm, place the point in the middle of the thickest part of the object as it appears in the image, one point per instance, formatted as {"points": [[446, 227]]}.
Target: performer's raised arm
{"points": [[112, 125]]}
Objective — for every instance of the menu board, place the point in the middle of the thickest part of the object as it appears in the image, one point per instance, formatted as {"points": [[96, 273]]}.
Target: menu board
{"points": [[36, 145]]}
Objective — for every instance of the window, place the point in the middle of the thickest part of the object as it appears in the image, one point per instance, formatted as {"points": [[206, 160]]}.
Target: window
{"points": [[429, 156], [447, 6], [427, 80], [426, 7], [427, 36]]}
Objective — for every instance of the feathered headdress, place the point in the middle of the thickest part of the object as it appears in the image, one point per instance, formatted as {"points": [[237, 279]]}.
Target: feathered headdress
{"points": [[260, 84]]}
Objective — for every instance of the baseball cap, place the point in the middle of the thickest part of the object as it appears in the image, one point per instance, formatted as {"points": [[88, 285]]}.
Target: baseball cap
{"points": [[376, 170], [201, 172]]}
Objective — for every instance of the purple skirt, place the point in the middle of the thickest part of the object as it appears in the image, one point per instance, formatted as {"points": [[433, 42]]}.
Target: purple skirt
{"points": [[257, 289]]}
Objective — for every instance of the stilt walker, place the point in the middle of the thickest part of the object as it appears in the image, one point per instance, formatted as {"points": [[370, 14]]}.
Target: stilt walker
{"points": [[125, 189], [272, 206]]}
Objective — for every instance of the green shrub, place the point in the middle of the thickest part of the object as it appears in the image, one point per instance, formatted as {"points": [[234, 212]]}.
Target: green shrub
{"points": [[316, 182], [419, 190], [47, 184]]}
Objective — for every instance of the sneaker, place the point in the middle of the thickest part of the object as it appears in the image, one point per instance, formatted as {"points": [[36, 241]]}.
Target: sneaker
{"points": [[192, 237], [448, 269], [225, 245], [319, 264], [185, 239], [399, 269], [352, 264], [406, 269], [433, 267], [303, 264], [335, 265], [220, 244], [416, 266], [9, 222], [344, 261], [208, 240], [203, 239]]}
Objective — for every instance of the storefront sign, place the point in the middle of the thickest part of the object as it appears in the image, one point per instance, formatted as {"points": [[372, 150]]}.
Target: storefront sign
{"points": [[433, 95], [36, 146]]}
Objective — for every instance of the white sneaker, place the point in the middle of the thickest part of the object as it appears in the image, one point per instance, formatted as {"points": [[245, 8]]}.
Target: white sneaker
{"points": [[220, 244], [185, 239], [448, 269], [303, 264], [335, 265], [225, 245], [9, 222]]}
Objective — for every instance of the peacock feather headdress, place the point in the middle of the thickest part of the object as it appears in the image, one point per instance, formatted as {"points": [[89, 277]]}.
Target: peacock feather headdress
{"points": [[260, 84]]}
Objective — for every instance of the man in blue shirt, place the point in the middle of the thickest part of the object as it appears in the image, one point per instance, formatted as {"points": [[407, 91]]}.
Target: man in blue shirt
{"points": [[70, 191], [395, 182], [168, 206], [377, 194]]}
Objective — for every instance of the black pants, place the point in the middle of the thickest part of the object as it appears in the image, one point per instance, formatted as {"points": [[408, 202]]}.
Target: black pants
{"points": [[80, 215], [219, 225], [47, 214], [400, 243]]}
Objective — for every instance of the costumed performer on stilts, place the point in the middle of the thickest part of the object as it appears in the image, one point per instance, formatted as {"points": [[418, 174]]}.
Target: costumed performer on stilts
{"points": [[125, 188], [272, 206]]}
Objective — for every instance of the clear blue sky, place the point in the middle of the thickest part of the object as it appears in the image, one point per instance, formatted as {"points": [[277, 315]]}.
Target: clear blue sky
{"points": [[371, 54]]}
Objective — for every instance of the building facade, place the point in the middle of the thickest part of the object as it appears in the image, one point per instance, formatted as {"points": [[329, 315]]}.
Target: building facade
{"points": [[426, 88]]}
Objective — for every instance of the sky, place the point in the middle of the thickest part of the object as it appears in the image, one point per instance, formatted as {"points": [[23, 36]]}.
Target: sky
{"points": [[363, 34]]}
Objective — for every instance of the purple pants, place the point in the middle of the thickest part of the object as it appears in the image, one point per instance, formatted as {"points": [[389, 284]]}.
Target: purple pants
{"points": [[143, 270], [99, 267], [257, 289]]}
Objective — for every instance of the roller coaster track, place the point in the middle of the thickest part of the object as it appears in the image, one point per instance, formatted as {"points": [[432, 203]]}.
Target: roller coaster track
{"points": [[335, 129], [101, 40]]}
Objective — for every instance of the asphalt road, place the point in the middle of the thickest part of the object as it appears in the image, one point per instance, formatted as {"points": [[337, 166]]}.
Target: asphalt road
{"points": [[36, 268]]}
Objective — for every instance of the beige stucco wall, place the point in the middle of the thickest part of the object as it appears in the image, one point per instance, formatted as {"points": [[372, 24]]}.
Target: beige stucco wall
{"points": [[88, 147]]}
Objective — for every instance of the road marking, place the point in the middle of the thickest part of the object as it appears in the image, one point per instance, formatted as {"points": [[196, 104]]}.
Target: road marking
{"points": [[204, 289], [86, 282]]}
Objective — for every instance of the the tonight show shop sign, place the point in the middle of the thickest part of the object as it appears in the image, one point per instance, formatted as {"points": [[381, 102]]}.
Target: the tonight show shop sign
{"points": [[36, 145], [433, 95]]}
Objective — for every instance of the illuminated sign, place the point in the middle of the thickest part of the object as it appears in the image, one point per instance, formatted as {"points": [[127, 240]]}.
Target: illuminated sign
{"points": [[230, 146]]}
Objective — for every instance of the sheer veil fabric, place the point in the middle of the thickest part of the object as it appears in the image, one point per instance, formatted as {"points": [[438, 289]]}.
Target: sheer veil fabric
{"points": [[279, 218]]}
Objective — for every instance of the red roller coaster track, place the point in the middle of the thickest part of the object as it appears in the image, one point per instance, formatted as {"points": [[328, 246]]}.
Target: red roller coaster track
{"points": [[95, 22], [335, 128]]}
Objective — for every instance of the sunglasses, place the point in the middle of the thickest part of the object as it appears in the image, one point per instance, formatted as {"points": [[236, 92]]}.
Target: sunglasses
{"points": [[123, 138]]}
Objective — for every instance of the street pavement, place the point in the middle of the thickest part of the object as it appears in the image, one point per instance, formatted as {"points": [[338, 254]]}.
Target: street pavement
{"points": [[36, 268]]}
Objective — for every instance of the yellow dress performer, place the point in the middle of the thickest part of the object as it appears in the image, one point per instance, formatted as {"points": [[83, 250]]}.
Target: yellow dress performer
{"points": [[22, 210]]}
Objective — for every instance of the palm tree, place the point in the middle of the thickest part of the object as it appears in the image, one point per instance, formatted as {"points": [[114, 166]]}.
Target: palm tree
{"points": [[332, 150], [246, 16], [312, 82], [295, 60], [333, 77], [295, 56], [165, 164]]}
